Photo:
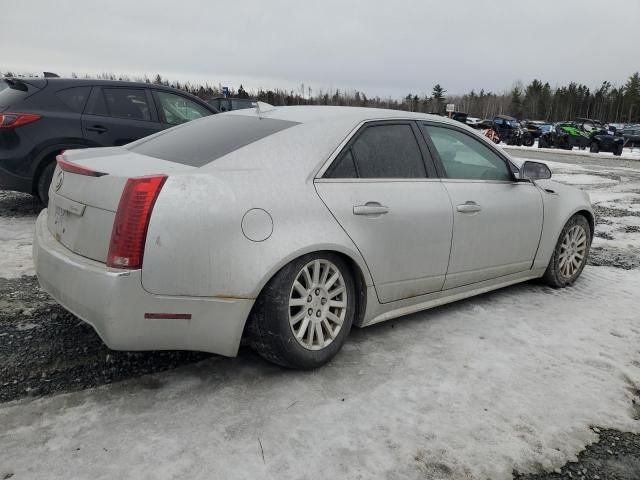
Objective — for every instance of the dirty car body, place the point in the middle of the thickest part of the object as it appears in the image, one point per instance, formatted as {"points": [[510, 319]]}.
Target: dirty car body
{"points": [[168, 242]]}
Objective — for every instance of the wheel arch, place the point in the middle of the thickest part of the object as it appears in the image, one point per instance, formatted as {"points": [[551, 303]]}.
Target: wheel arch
{"points": [[359, 270], [590, 218]]}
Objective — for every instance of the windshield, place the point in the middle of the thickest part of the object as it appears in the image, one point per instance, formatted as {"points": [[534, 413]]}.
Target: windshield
{"points": [[202, 141]]}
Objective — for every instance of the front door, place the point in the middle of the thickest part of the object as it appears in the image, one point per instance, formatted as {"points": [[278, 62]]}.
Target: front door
{"points": [[497, 220], [399, 217]]}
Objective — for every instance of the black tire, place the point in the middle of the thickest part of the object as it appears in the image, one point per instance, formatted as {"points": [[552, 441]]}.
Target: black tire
{"points": [[269, 331], [618, 150], [44, 181], [542, 143], [528, 141], [594, 148], [553, 275]]}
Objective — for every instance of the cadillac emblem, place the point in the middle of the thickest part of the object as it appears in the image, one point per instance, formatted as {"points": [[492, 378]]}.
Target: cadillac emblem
{"points": [[59, 180]]}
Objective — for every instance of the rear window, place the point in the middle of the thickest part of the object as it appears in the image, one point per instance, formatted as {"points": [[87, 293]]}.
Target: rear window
{"points": [[202, 141], [12, 92]]}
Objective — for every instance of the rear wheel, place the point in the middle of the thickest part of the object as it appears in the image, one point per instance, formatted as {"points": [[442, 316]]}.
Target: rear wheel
{"points": [[304, 314], [594, 147], [44, 180], [570, 255]]}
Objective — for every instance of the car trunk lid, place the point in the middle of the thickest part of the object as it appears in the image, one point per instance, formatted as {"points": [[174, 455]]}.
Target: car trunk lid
{"points": [[85, 194]]}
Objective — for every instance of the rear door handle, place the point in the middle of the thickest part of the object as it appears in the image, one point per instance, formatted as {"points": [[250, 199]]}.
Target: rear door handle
{"points": [[370, 208], [469, 207], [97, 129]]}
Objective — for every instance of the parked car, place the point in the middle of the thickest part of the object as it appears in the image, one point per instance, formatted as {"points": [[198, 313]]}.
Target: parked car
{"points": [[258, 224], [601, 137], [631, 135], [41, 117], [226, 104], [474, 122], [533, 128]]}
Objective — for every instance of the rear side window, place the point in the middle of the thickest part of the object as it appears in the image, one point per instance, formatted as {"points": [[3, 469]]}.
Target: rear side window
{"points": [[74, 98], [203, 141], [388, 151], [343, 167], [128, 103]]}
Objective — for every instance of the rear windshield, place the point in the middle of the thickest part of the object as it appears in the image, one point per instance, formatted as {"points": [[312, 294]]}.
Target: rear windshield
{"points": [[12, 92], [202, 141]]}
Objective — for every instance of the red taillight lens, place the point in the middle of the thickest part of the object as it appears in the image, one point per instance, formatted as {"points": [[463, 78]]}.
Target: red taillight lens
{"points": [[13, 120], [129, 232], [70, 167]]}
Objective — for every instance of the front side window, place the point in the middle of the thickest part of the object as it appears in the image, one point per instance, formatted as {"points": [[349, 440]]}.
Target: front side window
{"points": [[178, 109], [388, 151], [128, 103], [465, 157]]}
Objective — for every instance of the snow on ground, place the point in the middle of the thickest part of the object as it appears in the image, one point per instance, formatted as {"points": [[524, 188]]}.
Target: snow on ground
{"points": [[511, 379], [16, 235], [627, 153]]}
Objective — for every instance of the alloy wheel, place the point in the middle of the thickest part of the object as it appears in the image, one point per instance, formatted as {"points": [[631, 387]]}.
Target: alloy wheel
{"points": [[317, 304], [572, 251]]}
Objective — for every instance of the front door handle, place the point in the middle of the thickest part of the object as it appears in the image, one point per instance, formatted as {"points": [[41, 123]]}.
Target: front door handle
{"points": [[469, 207], [370, 208], [97, 129]]}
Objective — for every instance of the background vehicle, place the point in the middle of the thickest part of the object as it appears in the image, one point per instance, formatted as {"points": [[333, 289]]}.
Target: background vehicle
{"points": [[259, 222], [41, 117], [564, 135], [510, 131], [601, 137], [225, 104], [631, 135]]}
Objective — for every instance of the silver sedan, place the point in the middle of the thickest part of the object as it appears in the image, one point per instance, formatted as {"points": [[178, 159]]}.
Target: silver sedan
{"points": [[288, 225]]}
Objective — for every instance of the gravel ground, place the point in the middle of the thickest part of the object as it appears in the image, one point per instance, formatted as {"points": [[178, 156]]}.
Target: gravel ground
{"points": [[616, 456], [44, 349]]}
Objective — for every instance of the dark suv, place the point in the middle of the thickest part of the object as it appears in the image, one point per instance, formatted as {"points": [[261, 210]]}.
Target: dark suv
{"points": [[40, 117]]}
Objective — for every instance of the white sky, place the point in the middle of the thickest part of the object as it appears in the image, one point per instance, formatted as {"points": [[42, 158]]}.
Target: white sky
{"points": [[382, 48]]}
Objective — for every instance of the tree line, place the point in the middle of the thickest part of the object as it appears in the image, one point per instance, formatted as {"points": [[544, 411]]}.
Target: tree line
{"points": [[535, 101]]}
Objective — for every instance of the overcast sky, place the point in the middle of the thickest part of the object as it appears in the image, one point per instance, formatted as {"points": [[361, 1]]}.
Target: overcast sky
{"points": [[386, 48]]}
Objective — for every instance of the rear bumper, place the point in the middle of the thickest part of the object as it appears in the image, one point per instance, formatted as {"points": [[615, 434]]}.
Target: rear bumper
{"points": [[114, 303]]}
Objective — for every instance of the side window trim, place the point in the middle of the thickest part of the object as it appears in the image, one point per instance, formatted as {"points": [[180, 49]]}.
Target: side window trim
{"points": [[436, 156], [373, 123]]}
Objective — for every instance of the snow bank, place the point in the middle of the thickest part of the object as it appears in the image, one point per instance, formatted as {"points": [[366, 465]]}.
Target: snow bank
{"points": [[16, 236], [511, 379]]}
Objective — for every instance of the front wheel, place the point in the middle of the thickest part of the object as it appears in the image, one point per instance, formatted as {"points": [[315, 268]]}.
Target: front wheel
{"points": [[618, 150], [303, 316], [570, 255], [594, 147]]}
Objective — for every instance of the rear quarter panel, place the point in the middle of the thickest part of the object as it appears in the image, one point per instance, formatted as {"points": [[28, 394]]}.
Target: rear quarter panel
{"points": [[196, 246]]}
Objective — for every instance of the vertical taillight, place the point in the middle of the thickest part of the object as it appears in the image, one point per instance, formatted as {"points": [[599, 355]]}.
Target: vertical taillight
{"points": [[129, 232]]}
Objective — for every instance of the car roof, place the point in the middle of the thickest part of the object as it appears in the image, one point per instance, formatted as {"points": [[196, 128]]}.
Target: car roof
{"points": [[77, 82], [321, 113]]}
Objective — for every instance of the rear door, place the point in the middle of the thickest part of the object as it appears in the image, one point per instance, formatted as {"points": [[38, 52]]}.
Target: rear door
{"points": [[383, 190], [497, 220], [119, 115]]}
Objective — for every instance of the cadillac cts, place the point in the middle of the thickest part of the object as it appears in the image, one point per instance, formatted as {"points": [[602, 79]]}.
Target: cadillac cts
{"points": [[286, 226]]}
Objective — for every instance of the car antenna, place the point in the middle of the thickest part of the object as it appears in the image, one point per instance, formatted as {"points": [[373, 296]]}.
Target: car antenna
{"points": [[51, 75], [262, 107]]}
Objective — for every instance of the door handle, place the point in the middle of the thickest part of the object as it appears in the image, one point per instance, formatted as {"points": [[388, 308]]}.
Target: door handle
{"points": [[97, 129], [469, 207], [370, 208]]}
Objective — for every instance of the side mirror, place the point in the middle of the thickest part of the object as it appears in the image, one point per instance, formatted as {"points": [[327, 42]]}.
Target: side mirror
{"points": [[534, 171]]}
